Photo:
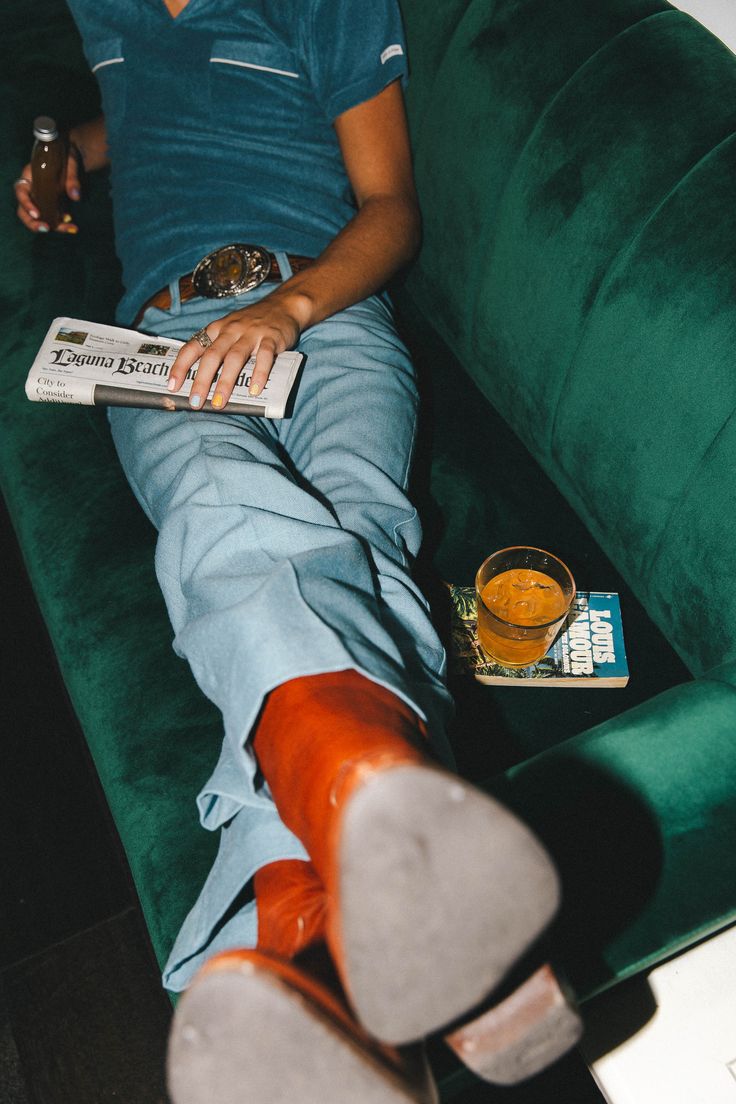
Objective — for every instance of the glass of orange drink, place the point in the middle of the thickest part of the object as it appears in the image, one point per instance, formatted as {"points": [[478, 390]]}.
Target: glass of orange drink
{"points": [[523, 596]]}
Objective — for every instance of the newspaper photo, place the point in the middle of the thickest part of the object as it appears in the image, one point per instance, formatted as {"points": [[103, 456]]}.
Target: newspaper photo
{"points": [[97, 365]]}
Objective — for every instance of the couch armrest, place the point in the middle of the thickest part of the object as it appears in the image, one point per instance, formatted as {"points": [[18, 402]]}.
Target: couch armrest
{"points": [[639, 815]]}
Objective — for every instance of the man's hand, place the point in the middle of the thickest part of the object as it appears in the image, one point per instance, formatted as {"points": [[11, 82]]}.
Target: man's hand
{"points": [[28, 212], [381, 238], [265, 329], [87, 148]]}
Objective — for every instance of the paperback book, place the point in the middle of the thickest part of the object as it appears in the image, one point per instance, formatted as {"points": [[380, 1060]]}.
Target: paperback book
{"points": [[94, 364], [589, 651]]}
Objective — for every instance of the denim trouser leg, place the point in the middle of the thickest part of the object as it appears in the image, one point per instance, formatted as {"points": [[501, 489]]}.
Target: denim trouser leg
{"points": [[283, 551]]}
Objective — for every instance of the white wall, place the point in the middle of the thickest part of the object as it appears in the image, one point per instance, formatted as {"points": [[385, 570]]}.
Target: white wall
{"points": [[719, 16]]}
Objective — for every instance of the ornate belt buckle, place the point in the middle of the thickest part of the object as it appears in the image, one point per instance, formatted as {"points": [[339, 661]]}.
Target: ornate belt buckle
{"points": [[230, 270]]}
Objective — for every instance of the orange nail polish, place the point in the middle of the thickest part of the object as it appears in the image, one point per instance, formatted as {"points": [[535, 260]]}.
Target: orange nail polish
{"points": [[217, 401]]}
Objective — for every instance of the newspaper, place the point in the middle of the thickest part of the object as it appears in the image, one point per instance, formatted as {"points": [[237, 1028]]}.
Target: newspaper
{"points": [[93, 364]]}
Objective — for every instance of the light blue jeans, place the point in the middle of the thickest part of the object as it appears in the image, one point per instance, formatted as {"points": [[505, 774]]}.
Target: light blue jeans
{"points": [[284, 549]]}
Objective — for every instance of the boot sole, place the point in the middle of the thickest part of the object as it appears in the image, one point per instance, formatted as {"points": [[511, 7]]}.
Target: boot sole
{"points": [[246, 1034], [441, 891]]}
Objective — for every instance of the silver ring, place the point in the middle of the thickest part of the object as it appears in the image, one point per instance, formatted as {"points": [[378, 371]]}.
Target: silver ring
{"points": [[21, 180], [202, 338]]}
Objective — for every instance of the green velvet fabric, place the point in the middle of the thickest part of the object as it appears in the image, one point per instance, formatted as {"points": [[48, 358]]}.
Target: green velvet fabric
{"points": [[639, 814], [574, 164], [479, 490], [86, 544]]}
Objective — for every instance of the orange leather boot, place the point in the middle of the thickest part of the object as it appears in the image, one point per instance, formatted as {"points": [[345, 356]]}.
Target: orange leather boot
{"points": [[509, 1041], [271, 1024], [434, 889], [292, 908]]}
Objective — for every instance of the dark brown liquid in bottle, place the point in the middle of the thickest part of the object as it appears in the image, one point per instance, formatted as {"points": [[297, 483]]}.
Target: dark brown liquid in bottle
{"points": [[48, 162]]}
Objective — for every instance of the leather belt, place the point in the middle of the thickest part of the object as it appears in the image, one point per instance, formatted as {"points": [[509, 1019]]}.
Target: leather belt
{"points": [[188, 290]]}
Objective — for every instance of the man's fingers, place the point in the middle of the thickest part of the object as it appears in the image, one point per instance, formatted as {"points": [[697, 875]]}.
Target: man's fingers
{"points": [[228, 353], [27, 211], [67, 225], [210, 359], [232, 367], [28, 220], [264, 363], [72, 177], [209, 363], [187, 356], [22, 185], [29, 214]]}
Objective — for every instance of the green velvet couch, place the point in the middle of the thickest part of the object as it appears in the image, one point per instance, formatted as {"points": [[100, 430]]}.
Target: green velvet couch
{"points": [[573, 315]]}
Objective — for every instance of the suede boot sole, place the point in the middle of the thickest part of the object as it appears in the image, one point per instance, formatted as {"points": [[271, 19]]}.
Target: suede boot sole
{"points": [[441, 891], [247, 1033]]}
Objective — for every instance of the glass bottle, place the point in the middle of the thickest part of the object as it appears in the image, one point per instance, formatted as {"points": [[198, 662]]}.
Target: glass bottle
{"points": [[48, 163]]}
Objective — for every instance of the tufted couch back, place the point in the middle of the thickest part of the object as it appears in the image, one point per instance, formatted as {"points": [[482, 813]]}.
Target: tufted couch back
{"points": [[576, 166]]}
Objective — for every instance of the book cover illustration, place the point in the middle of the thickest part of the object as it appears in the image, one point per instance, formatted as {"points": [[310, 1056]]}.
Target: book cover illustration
{"points": [[588, 652]]}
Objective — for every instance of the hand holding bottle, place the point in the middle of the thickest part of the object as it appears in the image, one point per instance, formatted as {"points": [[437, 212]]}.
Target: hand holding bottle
{"points": [[51, 174]]}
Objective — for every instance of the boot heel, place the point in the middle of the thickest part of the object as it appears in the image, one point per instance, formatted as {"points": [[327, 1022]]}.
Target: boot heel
{"points": [[521, 1035]]}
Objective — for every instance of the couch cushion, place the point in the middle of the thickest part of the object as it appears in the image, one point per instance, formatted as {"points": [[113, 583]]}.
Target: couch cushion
{"points": [[579, 265]]}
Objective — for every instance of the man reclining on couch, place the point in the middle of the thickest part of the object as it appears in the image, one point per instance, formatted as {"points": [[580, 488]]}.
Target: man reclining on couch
{"points": [[284, 551]]}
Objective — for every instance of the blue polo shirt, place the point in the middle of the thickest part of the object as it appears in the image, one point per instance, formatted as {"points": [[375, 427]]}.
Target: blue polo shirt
{"points": [[220, 122]]}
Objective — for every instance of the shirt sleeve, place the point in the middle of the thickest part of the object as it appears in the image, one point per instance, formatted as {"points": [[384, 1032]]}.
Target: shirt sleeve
{"points": [[354, 49]]}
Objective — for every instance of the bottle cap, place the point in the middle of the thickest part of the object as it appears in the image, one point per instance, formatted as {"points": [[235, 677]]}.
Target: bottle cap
{"points": [[45, 129]]}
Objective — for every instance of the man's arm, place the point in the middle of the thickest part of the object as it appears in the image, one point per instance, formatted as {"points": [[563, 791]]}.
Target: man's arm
{"points": [[380, 239], [88, 144]]}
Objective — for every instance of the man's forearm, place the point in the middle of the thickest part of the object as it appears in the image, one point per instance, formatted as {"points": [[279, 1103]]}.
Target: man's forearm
{"points": [[90, 139], [379, 241]]}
